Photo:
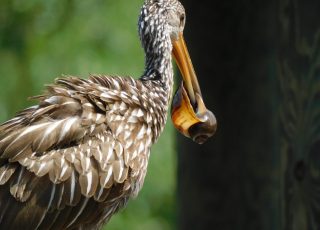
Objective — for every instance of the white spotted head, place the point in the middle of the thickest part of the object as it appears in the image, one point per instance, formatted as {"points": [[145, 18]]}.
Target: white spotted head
{"points": [[160, 20]]}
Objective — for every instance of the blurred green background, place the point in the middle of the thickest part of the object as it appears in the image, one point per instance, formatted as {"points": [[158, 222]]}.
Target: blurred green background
{"points": [[41, 40]]}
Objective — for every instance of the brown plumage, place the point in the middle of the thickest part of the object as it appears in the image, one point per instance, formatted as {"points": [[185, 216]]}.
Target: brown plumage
{"points": [[79, 147], [78, 156]]}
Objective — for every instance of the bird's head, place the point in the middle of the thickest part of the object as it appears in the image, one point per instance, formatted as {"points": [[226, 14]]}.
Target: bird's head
{"points": [[164, 20]]}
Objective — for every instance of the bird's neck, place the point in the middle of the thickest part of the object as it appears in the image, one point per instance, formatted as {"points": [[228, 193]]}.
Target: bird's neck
{"points": [[158, 63], [158, 77]]}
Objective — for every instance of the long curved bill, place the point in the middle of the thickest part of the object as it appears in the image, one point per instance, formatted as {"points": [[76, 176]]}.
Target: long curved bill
{"points": [[188, 111]]}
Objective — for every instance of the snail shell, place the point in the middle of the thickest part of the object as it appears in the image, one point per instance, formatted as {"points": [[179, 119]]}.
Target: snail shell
{"points": [[193, 121]]}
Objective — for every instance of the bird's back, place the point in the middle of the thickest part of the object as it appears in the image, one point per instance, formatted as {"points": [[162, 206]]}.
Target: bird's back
{"points": [[77, 157]]}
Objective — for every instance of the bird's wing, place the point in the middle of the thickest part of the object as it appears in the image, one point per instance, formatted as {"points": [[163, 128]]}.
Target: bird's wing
{"points": [[68, 138]]}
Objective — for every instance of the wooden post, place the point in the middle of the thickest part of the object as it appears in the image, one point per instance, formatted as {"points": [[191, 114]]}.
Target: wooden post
{"points": [[258, 63]]}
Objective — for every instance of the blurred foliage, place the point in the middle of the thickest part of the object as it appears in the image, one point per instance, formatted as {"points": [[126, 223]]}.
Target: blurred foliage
{"points": [[41, 40]]}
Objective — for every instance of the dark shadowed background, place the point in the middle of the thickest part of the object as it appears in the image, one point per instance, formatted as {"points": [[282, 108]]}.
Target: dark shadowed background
{"points": [[258, 63]]}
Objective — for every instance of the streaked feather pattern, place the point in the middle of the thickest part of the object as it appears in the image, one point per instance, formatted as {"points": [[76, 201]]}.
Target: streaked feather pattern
{"points": [[80, 154], [75, 159]]}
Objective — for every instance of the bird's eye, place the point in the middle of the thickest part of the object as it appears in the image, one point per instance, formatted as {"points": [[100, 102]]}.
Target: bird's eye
{"points": [[182, 18]]}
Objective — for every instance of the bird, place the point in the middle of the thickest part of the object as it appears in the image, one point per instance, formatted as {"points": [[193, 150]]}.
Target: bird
{"points": [[76, 157]]}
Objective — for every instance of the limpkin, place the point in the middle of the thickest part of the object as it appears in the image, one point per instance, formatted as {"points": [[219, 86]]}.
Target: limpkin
{"points": [[75, 159]]}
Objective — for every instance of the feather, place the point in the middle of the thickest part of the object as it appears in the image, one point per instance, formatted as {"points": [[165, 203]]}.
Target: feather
{"points": [[72, 194], [89, 182], [6, 172], [106, 179], [101, 194]]}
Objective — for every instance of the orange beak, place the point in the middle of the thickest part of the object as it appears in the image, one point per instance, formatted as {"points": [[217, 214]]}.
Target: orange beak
{"points": [[188, 111]]}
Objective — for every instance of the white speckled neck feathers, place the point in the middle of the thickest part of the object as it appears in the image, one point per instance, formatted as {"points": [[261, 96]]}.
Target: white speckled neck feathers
{"points": [[156, 41]]}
